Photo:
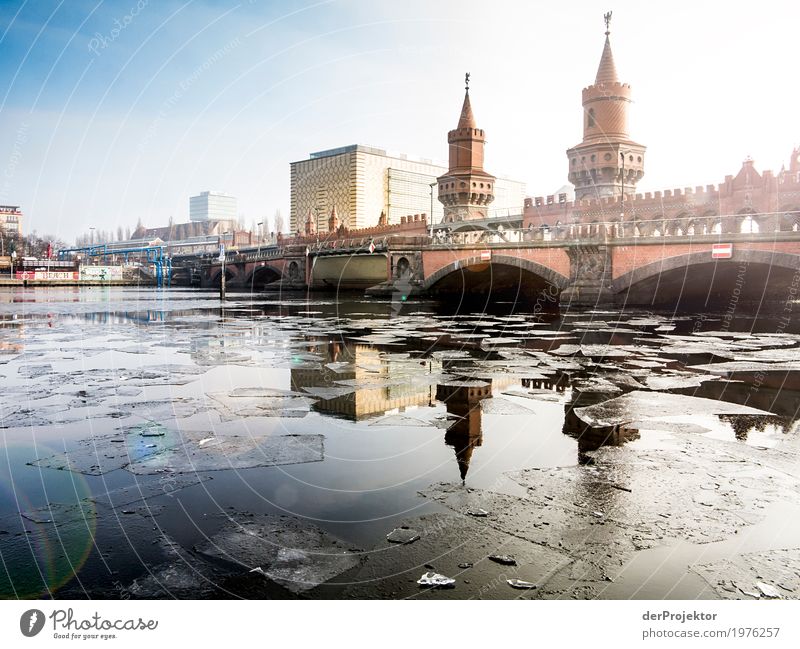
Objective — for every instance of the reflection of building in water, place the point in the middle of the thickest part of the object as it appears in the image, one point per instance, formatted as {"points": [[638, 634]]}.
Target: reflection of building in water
{"points": [[590, 438], [15, 330], [381, 382], [783, 402], [743, 425], [463, 399]]}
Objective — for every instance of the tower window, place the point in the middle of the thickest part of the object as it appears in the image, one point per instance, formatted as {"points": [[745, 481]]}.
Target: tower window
{"points": [[590, 118]]}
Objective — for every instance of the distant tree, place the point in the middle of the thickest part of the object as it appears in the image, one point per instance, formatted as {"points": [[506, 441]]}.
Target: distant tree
{"points": [[120, 233], [127, 233], [278, 221]]}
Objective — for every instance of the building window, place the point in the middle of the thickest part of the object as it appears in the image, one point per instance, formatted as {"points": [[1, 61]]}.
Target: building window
{"points": [[590, 118]]}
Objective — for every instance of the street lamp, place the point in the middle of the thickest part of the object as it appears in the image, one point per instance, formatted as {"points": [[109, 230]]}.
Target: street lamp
{"points": [[432, 185], [259, 224]]}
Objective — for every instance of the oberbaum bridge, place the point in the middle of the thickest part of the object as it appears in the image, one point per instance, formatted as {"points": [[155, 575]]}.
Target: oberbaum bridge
{"points": [[608, 246]]}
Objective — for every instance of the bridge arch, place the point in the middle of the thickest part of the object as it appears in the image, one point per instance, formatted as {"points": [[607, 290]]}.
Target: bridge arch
{"points": [[771, 269], [263, 275], [548, 275], [216, 275]]}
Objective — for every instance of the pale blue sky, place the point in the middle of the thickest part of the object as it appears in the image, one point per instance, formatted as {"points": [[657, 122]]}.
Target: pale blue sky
{"points": [[102, 128]]}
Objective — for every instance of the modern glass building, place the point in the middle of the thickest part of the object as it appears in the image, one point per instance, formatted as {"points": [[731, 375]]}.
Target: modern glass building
{"points": [[363, 181], [212, 206]]}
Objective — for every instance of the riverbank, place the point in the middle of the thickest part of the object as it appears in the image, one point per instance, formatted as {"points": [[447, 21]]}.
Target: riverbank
{"points": [[73, 282]]}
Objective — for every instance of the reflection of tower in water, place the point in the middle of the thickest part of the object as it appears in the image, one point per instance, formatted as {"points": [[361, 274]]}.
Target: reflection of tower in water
{"points": [[590, 438], [462, 399]]}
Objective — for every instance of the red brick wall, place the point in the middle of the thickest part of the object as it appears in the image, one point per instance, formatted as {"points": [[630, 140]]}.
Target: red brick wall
{"points": [[627, 258], [554, 258]]}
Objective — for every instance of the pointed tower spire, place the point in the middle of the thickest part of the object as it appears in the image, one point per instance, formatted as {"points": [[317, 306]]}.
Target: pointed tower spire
{"points": [[606, 71], [466, 190], [467, 119], [607, 163], [333, 220]]}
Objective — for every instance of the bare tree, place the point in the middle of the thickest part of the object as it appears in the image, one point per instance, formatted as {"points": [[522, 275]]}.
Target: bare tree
{"points": [[278, 221]]}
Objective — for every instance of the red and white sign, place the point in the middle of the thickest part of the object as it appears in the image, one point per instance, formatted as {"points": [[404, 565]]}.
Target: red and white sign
{"points": [[721, 251], [371, 247], [486, 255], [43, 274]]}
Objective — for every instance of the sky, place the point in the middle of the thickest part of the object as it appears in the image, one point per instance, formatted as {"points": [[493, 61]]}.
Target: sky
{"points": [[114, 112]]}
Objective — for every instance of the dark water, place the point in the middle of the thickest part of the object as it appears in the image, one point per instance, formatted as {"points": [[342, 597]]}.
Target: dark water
{"points": [[386, 399]]}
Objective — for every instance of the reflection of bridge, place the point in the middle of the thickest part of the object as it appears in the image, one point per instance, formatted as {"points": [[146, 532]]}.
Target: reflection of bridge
{"points": [[590, 263]]}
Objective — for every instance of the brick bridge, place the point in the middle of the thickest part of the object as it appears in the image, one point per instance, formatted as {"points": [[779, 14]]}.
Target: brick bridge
{"points": [[587, 264]]}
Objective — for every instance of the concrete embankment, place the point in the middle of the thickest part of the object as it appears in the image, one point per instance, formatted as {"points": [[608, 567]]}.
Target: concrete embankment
{"points": [[75, 282]]}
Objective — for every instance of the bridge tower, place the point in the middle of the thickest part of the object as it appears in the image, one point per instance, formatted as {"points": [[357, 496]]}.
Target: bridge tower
{"points": [[607, 163], [466, 190]]}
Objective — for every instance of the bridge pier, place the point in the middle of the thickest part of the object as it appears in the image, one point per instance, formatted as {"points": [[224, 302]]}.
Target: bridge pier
{"points": [[590, 276]]}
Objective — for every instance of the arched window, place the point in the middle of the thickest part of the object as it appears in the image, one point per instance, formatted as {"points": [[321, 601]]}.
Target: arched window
{"points": [[748, 225], [590, 118]]}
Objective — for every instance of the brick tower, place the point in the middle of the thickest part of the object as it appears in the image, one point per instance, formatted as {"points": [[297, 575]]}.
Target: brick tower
{"points": [[607, 163], [466, 190]]}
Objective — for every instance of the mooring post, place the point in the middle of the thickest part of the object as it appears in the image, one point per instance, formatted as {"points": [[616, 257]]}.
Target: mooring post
{"points": [[222, 280]]}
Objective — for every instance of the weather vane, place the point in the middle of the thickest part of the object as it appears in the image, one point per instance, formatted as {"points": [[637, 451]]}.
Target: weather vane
{"points": [[466, 80], [607, 18]]}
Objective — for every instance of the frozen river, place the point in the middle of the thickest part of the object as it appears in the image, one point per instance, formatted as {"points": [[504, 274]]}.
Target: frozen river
{"points": [[156, 445]]}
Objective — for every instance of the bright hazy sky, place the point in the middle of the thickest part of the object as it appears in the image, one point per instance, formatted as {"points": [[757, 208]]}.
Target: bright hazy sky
{"points": [[101, 128]]}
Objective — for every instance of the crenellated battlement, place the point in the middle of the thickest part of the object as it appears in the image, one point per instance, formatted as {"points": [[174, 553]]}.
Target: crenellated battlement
{"points": [[748, 191]]}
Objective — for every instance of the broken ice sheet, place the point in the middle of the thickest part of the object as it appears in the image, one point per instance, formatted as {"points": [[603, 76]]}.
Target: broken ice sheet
{"points": [[59, 513], [180, 576], [537, 394], [35, 371], [402, 535], [603, 351], [104, 453], [143, 489], [329, 393], [159, 410], [675, 381], [261, 393], [435, 580], [291, 552], [644, 406], [201, 452], [500, 406], [273, 403]]}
